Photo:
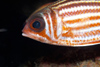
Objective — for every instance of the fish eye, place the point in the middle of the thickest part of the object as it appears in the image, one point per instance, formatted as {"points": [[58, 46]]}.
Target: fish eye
{"points": [[37, 24]]}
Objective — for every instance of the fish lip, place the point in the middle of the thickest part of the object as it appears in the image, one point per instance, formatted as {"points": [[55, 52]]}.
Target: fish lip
{"points": [[23, 34]]}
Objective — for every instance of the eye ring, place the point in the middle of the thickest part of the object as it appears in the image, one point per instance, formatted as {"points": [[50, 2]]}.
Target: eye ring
{"points": [[37, 24]]}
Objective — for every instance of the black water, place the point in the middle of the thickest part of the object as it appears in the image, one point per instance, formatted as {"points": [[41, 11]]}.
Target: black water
{"points": [[14, 48]]}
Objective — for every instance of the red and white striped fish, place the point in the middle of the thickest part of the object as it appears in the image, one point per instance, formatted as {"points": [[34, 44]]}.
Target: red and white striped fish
{"points": [[67, 23]]}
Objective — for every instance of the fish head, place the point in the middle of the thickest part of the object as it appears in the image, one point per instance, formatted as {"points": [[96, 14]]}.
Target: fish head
{"points": [[37, 26]]}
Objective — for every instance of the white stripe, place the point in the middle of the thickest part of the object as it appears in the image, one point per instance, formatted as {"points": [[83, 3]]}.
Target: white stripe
{"points": [[51, 25], [79, 24], [46, 25], [66, 18], [75, 9], [86, 30], [59, 24]]}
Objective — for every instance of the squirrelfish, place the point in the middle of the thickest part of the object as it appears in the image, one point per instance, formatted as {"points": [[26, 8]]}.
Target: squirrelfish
{"points": [[65, 23]]}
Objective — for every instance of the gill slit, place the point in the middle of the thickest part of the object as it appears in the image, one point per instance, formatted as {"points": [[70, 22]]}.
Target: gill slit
{"points": [[51, 26], [59, 25], [46, 26]]}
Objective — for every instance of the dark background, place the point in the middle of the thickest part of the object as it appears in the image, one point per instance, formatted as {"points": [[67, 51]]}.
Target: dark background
{"points": [[16, 50]]}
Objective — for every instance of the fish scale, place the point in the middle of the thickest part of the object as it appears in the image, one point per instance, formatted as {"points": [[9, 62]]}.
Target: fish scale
{"points": [[80, 12], [76, 34]]}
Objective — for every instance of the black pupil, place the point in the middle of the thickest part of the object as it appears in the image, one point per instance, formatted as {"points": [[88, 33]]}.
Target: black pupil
{"points": [[36, 24]]}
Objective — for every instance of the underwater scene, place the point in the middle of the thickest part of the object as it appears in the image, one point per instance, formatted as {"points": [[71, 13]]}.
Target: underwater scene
{"points": [[19, 51]]}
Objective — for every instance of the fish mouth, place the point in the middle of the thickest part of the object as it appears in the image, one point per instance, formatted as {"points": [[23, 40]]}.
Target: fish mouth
{"points": [[27, 35], [25, 31], [23, 34]]}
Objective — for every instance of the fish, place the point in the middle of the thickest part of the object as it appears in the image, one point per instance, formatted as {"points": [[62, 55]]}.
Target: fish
{"points": [[73, 23]]}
